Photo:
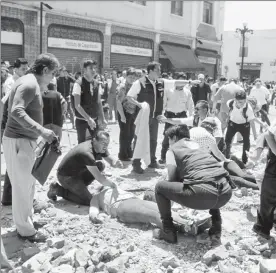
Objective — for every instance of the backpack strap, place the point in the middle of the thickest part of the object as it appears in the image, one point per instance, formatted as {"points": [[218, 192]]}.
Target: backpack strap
{"points": [[244, 112]]}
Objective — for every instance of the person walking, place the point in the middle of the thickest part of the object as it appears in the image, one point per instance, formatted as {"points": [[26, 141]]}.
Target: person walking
{"points": [[87, 102], [201, 91], [23, 127], [64, 82], [112, 94]]}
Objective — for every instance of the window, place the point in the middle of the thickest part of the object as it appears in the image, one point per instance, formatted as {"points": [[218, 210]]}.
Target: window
{"points": [[208, 13], [177, 8], [143, 3]]}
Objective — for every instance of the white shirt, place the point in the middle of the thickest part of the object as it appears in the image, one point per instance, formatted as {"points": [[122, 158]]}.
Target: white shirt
{"points": [[236, 115], [261, 94], [7, 86], [177, 101], [136, 88], [204, 139], [190, 120]]}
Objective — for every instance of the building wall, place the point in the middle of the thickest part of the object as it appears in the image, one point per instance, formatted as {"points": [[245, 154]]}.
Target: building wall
{"points": [[153, 21], [261, 49]]}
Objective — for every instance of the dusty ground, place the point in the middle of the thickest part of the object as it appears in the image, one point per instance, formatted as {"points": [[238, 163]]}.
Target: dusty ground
{"points": [[116, 247]]}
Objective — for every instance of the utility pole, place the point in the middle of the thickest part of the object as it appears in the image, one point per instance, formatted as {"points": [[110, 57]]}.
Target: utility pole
{"points": [[243, 31], [41, 22]]}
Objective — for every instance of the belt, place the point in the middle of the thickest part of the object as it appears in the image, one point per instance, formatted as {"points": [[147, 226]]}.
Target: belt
{"points": [[176, 113]]}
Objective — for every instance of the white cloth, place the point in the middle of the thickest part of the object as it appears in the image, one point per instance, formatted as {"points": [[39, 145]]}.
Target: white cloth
{"points": [[20, 157], [142, 147]]}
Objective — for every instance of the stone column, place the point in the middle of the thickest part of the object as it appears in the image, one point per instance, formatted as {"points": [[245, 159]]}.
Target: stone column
{"points": [[107, 47]]}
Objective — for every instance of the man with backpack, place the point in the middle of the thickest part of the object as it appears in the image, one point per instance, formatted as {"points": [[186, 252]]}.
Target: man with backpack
{"points": [[240, 116]]}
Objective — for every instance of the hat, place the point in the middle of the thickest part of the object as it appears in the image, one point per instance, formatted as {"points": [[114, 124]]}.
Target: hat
{"points": [[4, 68], [201, 76], [210, 124]]}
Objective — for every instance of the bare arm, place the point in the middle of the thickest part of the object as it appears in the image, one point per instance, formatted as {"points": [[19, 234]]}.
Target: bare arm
{"points": [[79, 108], [100, 177], [171, 173], [270, 138], [177, 121], [217, 153], [120, 108]]}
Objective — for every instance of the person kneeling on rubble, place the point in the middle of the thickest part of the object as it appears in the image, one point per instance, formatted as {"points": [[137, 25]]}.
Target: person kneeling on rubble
{"points": [[205, 183], [80, 167]]}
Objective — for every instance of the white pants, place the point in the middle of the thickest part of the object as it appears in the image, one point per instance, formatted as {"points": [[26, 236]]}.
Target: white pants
{"points": [[20, 157]]}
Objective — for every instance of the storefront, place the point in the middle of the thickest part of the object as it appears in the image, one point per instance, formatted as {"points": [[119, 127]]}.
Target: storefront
{"points": [[209, 60], [72, 46], [178, 58], [129, 51], [251, 71], [11, 39]]}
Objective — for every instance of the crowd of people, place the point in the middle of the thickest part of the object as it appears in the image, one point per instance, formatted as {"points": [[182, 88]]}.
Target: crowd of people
{"points": [[201, 119]]}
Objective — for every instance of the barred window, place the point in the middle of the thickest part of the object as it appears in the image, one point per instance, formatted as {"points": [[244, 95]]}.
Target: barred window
{"points": [[208, 12], [177, 8]]}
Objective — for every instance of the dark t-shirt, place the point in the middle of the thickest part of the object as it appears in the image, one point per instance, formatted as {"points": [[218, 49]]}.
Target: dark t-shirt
{"points": [[52, 110], [200, 93], [270, 169], [75, 161]]}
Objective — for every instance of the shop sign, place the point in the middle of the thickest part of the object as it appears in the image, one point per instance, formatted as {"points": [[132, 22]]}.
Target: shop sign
{"points": [[14, 38], [207, 60], [131, 50], [74, 44], [251, 66]]}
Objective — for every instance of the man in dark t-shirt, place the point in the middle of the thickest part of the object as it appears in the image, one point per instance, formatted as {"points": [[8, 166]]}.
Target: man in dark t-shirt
{"points": [[202, 91], [80, 167]]}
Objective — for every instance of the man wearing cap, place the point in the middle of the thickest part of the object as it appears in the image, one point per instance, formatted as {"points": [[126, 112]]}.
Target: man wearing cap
{"points": [[202, 91], [87, 102]]}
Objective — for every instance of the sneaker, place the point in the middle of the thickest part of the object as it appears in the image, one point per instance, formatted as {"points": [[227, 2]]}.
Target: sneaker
{"points": [[52, 193], [257, 229], [38, 237], [138, 170], [39, 224], [162, 161], [154, 165]]}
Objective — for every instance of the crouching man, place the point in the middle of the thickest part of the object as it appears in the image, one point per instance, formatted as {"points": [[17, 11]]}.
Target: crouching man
{"points": [[205, 183], [80, 167]]}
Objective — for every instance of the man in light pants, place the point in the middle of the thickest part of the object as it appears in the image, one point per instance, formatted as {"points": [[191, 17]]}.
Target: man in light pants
{"points": [[24, 126]]}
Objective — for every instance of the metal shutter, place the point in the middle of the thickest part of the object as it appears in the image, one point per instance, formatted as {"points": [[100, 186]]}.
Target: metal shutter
{"points": [[73, 59], [209, 69], [11, 52], [122, 61]]}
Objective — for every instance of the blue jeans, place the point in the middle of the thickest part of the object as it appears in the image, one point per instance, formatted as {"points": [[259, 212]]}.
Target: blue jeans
{"points": [[199, 197]]}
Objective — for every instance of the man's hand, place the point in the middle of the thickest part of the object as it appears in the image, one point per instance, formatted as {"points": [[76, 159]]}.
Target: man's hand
{"points": [[123, 119], [161, 118], [91, 123], [119, 164], [48, 135]]}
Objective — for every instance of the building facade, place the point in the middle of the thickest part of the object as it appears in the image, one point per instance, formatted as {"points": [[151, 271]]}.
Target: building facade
{"points": [[260, 60], [181, 35]]}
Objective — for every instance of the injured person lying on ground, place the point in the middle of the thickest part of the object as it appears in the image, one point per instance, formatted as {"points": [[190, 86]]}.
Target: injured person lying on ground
{"points": [[129, 209]]}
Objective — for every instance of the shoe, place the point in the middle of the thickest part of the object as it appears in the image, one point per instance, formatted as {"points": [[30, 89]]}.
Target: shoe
{"points": [[162, 161], [38, 237], [138, 170], [39, 224], [5, 204], [169, 236], [52, 193], [257, 229], [154, 165]]}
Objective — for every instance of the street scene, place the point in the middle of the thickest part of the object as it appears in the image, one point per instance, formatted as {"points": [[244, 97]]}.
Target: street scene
{"points": [[138, 137]]}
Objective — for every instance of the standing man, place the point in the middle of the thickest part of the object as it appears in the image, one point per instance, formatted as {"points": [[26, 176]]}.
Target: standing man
{"points": [[214, 88], [202, 91], [63, 87], [20, 69], [23, 127], [178, 102], [224, 94], [148, 89], [87, 102], [112, 93]]}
